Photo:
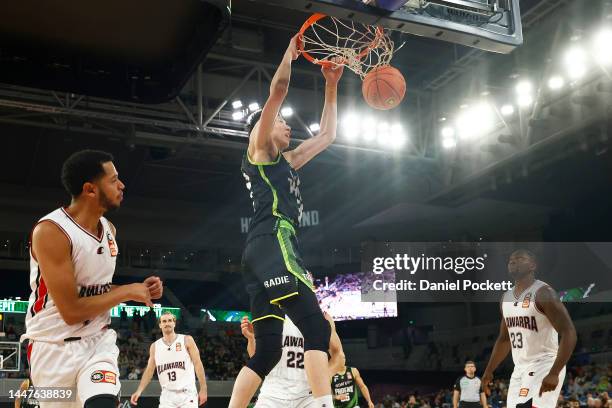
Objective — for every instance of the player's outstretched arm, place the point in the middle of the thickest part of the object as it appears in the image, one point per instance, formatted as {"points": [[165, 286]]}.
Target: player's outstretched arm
{"points": [[52, 250], [147, 375], [499, 353], [364, 389], [260, 139], [548, 302], [194, 353], [302, 154], [247, 331]]}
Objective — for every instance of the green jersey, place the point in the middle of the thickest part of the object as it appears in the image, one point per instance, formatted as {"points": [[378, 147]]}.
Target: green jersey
{"points": [[344, 384], [274, 188]]}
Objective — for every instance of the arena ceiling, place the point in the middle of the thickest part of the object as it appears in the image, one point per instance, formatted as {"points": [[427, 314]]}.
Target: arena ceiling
{"points": [[161, 156]]}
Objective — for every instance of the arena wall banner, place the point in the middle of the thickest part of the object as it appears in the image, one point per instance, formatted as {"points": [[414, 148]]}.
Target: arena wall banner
{"points": [[478, 271], [309, 219]]}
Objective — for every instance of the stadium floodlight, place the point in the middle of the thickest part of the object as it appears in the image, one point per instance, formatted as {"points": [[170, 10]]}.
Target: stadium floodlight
{"points": [[351, 125], [314, 127], [253, 106], [383, 127], [576, 62], [449, 143], [237, 104], [384, 138], [397, 129], [368, 128], [448, 132], [238, 115], [398, 140], [556, 82], [524, 101], [476, 121], [602, 47], [287, 111], [524, 87], [397, 136], [507, 110]]}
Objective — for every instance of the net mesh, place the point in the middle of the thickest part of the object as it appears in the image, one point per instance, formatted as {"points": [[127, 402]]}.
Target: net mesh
{"points": [[359, 47]]}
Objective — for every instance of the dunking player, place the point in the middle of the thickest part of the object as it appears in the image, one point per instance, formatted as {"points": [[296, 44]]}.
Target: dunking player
{"points": [[287, 386], [274, 273], [346, 395], [174, 356], [533, 317], [72, 262]]}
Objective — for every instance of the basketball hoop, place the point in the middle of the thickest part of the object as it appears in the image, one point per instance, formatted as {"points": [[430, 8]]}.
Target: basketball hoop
{"points": [[328, 41]]}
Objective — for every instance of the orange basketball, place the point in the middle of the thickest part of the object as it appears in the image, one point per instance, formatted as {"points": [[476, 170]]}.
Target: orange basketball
{"points": [[384, 87]]}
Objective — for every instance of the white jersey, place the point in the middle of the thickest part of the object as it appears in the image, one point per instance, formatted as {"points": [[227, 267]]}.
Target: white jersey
{"points": [[287, 379], [532, 337], [174, 366], [93, 258]]}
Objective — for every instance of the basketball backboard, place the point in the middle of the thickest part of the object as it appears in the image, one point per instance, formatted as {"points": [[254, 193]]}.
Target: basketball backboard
{"points": [[490, 25], [10, 356]]}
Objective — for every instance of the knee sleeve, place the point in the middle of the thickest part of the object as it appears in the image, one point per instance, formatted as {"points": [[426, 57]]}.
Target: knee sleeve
{"points": [[306, 314], [268, 346], [316, 332], [102, 401]]}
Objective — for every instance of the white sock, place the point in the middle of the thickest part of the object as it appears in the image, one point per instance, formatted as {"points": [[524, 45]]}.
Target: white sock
{"points": [[325, 401]]}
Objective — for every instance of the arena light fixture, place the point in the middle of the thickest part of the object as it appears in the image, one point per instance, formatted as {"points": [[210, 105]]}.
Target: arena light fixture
{"points": [[351, 125], [314, 127], [287, 111], [383, 127], [576, 62], [507, 110], [602, 47], [397, 136], [476, 121], [449, 143], [399, 139], [556, 82], [253, 106], [384, 138], [524, 101], [237, 104], [368, 128], [524, 87], [448, 132], [238, 115]]}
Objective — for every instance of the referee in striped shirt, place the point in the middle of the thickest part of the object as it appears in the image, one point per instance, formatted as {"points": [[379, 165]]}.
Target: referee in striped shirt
{"points": [[468, 389]]}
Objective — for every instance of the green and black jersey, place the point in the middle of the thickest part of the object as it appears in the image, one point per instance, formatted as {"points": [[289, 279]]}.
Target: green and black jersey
{"points": [[28, 401], [344, 384], [275, 191]]}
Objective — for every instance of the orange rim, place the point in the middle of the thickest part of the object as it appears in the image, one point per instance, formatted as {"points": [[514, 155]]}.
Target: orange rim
{"points": [[324, 63]]}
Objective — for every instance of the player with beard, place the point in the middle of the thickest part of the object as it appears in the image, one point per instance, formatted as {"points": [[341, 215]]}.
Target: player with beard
{"points": [[73, 252], [176, 359], [532, 319]]}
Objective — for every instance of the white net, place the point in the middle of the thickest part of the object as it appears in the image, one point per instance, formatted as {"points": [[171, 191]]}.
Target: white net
{"points": [[359, 47]]}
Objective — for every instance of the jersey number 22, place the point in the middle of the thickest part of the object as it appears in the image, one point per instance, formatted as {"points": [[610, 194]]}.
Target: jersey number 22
{"points": [[295, 360]]}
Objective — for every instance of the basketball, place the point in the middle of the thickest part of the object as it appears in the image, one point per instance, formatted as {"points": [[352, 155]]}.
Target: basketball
{"points": [[384, 87]]}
